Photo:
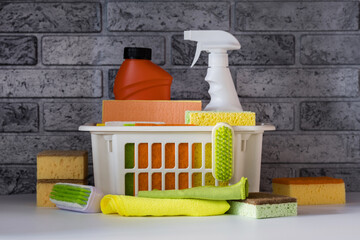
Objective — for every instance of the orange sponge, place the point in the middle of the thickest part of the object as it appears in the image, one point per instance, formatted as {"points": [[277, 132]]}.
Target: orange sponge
{"points": [[170, 112], [311, 190]]}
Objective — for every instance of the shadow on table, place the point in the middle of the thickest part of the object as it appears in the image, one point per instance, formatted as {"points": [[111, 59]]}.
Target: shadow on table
{"points": [[320, 210]]}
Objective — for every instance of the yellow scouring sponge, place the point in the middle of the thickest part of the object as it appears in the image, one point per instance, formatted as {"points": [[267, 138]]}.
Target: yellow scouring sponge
{"points": [[61, 164], [311, 190], [208, 118]]}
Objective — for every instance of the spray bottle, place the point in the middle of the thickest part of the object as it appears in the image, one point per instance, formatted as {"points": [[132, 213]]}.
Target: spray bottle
{"points": [[222, 90]]}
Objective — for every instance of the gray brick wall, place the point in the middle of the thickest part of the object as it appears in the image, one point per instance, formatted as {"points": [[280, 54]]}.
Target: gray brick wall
{"points": [[298, 69], [296, 16]]}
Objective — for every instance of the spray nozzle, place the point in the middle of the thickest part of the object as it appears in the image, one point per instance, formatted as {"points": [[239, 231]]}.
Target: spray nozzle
{"points": [[213, 41], [222, 90]]}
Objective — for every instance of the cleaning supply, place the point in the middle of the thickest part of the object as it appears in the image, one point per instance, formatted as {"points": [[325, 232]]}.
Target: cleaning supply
{"points": [[222, 151], [170, 112], [162, 124], [54, 166], [264, 205], [138, 206], [110, 144], [140, 79], [45, 186], [156, 178], [311, 190], [76, 197], [208, 118], [127, 123], [62, 164], [236, 191], [197, 163], [222, 90]]}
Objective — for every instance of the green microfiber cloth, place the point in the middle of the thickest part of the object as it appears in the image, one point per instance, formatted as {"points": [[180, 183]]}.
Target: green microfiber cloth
{"points": [[137, 206], [237, 191]]}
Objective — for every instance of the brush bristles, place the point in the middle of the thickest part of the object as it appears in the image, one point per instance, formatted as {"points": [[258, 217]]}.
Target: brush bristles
{"points": [[71, 194], [223, 153]]}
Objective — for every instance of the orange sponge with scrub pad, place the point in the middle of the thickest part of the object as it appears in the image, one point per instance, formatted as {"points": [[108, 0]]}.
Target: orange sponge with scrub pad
{"points": [[311, 190], [170, 112]]}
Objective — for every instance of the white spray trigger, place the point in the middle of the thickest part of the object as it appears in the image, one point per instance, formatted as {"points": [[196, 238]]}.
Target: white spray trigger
{"points": [[222, 91], [197, 53]]}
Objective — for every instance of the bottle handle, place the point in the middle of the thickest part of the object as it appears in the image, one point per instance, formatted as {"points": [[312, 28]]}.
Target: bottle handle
{"points": [[197, 53]]}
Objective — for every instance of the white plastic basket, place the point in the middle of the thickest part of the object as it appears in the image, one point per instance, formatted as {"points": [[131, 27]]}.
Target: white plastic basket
{"points": [[109, 143]]}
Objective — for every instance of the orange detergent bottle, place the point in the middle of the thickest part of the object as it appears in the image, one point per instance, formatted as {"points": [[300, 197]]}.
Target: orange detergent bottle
{"points": [[140, 79]]}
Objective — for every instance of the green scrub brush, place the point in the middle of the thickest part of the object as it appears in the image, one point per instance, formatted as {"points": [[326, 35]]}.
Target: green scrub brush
{"points": [[222, 152], [238, 191], [75, 197]]}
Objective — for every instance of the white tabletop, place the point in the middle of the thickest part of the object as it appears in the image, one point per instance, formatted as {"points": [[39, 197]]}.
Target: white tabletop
{"points": [[21, 219]]}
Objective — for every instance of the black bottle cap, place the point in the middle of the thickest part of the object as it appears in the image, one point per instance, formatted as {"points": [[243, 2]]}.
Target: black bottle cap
{"points": [[137, 53]]}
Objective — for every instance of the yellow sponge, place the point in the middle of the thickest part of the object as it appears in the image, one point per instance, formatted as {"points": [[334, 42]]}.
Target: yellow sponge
{"points": [[311, 190], [205, 118], [56, 164]]}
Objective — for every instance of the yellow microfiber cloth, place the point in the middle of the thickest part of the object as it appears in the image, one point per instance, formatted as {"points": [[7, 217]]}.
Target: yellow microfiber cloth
{"points": [[137, 206]]}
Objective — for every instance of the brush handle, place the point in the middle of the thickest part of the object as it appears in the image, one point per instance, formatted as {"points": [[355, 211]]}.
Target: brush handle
{"points": [[93, 205]]}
